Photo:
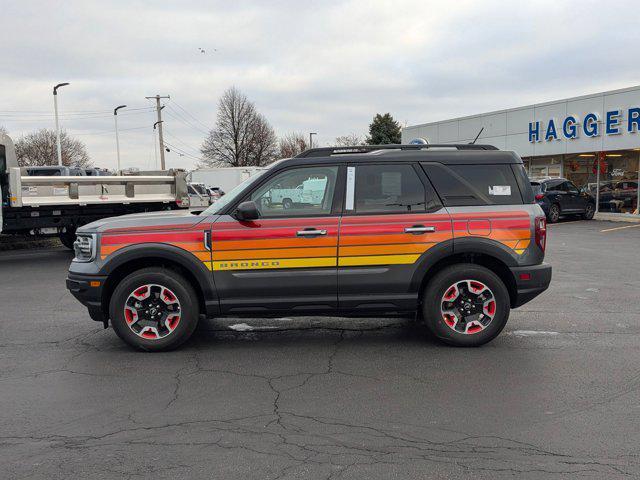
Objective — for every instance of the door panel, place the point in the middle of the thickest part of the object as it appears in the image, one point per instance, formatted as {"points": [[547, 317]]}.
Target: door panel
{"points": [[377, 258], [268, 266]]}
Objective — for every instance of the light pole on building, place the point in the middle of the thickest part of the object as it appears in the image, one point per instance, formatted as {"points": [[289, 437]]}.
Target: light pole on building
{"points": [[115, 118], [55, 108], [311, 134]]}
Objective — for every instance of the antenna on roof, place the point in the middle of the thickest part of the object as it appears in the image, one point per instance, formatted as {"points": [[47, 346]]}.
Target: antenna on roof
{"points": [[477, 136]]}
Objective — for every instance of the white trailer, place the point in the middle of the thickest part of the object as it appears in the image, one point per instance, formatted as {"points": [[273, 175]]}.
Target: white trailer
{"points": [[224, 178], [50, 205]]}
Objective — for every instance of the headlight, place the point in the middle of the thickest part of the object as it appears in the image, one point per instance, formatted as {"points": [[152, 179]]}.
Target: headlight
{"points": [[85, 247]]}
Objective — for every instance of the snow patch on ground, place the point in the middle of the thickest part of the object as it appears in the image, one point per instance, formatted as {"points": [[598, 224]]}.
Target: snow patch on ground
{"points": [[532, 333], [241, 327]]}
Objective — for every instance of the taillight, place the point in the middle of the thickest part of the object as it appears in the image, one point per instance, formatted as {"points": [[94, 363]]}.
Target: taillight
{"points": [[541, 232], [540, 196]]}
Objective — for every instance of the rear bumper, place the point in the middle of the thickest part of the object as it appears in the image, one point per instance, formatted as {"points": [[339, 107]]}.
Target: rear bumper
{"points": [[88, 290], [530, 282]]}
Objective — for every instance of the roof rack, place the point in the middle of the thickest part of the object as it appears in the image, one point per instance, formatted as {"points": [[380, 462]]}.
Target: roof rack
{"points": [[327, 151]]}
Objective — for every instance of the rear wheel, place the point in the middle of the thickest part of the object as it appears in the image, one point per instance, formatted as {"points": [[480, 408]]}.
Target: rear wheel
{"points": [[287, 203], [466, 305], [589, 211], [154, 309], [554, 213], [67, 237]]}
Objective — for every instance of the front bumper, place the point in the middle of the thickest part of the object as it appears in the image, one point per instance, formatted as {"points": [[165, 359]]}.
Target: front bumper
{"points": [[88, 290], [530, 282]]}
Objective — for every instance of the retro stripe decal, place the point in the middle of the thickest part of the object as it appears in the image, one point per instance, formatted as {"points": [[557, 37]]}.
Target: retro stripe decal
{"points": [[361, 241]]}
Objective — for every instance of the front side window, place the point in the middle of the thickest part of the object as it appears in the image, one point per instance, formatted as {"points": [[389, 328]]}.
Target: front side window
{"points": [[297, 191], [388, 188]]}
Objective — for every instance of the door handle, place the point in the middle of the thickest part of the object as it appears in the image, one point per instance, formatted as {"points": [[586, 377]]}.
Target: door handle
{"points": [[207, 239], [418, 229], [310, 233]]}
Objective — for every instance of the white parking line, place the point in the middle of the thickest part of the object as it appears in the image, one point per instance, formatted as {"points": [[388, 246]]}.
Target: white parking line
{"points": [[619, 228]]}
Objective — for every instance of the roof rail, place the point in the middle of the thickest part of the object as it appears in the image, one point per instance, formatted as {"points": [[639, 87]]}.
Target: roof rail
{"points": [[327, 151]]}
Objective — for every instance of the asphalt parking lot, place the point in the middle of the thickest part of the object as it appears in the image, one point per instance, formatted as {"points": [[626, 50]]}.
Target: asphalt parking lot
{"points": [[555, 396]]}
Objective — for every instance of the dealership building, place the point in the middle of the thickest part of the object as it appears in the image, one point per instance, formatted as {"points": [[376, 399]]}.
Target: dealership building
{"points": [[592, 140]]}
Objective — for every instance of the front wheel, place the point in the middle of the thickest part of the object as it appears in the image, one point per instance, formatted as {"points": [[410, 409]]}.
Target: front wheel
{"points": [[589, 211], [154, 309], [466, 305]]}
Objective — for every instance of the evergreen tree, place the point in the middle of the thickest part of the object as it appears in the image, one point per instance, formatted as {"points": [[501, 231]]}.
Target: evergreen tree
{"points": [[384, 130]]}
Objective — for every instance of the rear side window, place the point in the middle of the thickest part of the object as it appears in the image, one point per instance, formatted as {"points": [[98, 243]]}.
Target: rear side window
{"points": [[470, 185], [389, 188]]}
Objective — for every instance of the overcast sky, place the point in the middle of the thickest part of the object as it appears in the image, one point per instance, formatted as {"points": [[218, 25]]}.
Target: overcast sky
{"points": [[325, 67]]}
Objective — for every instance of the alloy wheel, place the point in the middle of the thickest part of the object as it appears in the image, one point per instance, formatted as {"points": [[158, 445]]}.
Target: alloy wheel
{"points": [[152, 311], [468, 306]]}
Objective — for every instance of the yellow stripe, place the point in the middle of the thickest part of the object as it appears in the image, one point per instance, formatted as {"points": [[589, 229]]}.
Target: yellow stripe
{"points": [[272, 263], [378, 260]]}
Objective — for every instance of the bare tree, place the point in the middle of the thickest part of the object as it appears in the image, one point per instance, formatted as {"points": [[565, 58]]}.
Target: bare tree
{"points": [[39, 148], [264, 143], [3, 131], [293, 144], [351, 140], [241, 136]]}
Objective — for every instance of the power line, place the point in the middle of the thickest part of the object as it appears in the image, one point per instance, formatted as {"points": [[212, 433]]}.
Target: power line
{"points": [[188, 113], [104, 132], [176, 115], [186, 154], [182, 142]]}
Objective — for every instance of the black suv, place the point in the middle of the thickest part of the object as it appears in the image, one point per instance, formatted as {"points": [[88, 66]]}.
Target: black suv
{"points": [[559, 196], [450, 235]]}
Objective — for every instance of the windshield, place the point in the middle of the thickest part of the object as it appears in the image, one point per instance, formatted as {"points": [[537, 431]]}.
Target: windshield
{"points": [[219, 205]]}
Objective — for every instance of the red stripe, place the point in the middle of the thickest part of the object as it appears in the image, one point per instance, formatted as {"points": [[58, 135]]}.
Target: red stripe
{"points": [[265, 233], [383, 229], [160, 237], [491, 215]]}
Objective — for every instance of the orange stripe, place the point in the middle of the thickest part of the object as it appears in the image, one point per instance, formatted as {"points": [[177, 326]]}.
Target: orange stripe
{"points": [[281, 243], [499, 233], [394, 238], [275, 253], [385, 249]]}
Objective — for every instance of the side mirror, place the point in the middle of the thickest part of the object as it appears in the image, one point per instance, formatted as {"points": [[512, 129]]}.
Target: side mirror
{"points": [[247, 211]]}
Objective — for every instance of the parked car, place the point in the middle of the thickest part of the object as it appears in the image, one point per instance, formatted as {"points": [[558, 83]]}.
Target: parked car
{"points": [[54, 171], [449, 235], [215, 193], [558, 197]]}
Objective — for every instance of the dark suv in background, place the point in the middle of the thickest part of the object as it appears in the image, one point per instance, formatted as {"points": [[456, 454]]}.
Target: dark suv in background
{"points": [[559, 197]]}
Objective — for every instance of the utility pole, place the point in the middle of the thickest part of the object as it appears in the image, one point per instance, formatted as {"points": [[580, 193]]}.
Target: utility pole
{"points": [[115, 116], [311, 134], [55, 108], [159, 123]]}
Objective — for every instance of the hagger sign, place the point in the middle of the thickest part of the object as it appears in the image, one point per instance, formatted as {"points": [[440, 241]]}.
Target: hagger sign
{"points": [[591, 126]]}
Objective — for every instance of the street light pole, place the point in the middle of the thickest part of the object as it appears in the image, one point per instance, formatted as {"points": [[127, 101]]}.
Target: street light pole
{"points": [[115, 117], [55, 108], [311, 134]]}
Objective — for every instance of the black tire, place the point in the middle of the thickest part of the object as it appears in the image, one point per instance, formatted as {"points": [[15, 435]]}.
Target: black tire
{"points": [[68, 237], [287, 203], [178, 285], [589, 211], [554, 213], [441, 282]]}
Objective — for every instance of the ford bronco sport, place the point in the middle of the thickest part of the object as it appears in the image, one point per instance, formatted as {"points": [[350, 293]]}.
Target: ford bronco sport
{"points": [[450, 234]]}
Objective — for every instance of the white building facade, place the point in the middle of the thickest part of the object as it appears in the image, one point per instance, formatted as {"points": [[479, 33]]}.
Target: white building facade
{"points": [[592, 140]]}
